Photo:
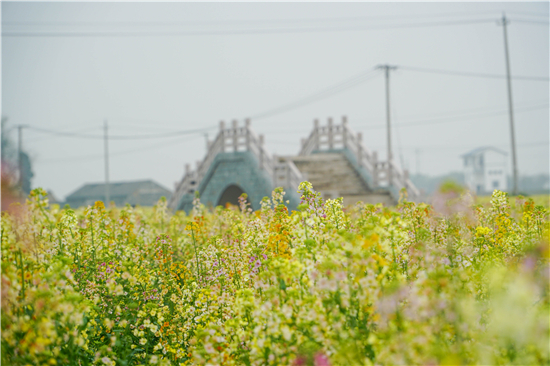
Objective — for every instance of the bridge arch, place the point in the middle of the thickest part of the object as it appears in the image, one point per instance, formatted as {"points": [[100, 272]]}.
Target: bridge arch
{"points": [[230, 195]]}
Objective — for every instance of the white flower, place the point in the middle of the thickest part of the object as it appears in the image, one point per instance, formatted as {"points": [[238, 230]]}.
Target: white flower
{"points": [[107, 361], [286, 333]]}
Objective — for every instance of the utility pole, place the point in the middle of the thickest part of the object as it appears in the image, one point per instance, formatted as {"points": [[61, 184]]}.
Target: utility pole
{"points": [[387, 69], [504, 22], [19, 153], [107, 195]]}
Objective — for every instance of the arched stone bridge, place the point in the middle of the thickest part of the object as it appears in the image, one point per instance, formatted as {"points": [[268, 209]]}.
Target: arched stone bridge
{"points": [[333, 158]]}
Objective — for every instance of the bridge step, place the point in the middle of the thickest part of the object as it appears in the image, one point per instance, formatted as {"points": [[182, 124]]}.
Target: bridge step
{"points": [[333, 176]]}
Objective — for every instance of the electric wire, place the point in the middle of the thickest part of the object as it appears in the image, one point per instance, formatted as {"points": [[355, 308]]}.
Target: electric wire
{"points": [[546, 15], [238, 31], [71, 130], [469, 111], [119, 153], [241, 21], [450, 114], [472, 74], [124, 137], [331, 90], [531, 21], [454, 119], [469, 146]]}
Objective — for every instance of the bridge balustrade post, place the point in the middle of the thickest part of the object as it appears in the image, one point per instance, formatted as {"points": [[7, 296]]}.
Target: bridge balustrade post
{"points": [[390, 172], [316, 133], [344, 131], [360, 147], [261, 148], [247, 125], [198, 172], [222, 134], [330, 134], [235, 136], [375, 170], [287, 168]]}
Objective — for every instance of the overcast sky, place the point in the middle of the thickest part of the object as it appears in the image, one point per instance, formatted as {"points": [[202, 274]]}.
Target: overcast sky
{"points": [[150, 68]]}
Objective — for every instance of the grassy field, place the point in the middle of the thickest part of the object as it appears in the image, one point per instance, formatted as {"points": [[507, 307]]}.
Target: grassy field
{"points": [[539, 199], [448, 283]]}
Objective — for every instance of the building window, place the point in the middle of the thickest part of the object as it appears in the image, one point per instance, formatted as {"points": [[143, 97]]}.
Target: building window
{"points": [[495, 184]]}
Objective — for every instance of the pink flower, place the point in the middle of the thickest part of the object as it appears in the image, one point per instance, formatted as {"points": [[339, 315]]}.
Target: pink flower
{"points": [[300, 361], [320, 360]]}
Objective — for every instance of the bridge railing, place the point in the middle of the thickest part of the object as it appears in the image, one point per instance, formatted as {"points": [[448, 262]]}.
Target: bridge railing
{"points": [[399, 178], [283, 172], [235, 138], [330, 137], [187, 185], [287, 174]]}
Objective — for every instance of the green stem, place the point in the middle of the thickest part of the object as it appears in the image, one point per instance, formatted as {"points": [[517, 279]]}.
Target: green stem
{"points": [[92, 234], [22, 276], [196, 254]]}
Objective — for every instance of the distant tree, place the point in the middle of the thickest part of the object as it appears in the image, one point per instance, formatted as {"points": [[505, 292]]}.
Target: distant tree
{"points": [[10, 161], [8, 148]]}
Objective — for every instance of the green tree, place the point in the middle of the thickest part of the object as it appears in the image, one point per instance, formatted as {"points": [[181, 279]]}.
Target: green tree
{"points": [[10, 162]]}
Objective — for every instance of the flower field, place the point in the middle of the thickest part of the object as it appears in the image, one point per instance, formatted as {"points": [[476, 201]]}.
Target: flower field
{"points": [[323, 285]]}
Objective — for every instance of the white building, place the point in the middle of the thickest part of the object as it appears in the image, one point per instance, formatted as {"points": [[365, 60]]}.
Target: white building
{"points": [[485, 170]]}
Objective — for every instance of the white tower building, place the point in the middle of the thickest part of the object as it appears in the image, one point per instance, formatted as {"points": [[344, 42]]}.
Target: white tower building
{"points": [[485, 169]]}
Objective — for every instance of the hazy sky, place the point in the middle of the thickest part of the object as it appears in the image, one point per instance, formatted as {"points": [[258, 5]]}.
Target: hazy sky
{"points": [[151, 68]]}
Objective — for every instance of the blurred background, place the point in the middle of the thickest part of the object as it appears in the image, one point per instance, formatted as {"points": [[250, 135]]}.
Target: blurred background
{"points": [[162, 75]]}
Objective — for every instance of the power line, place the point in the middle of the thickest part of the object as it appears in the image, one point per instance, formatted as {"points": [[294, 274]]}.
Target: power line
{"points": [[124, 137], [242, 21], [461, 118], [465, 111], [334, 89], [120, 153], [436, 147], [40, 139], [239, 31], [358, 79], [531, 14], [450, 114], [454, 119], [473, 74], [532, 21], [258, 21]]}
